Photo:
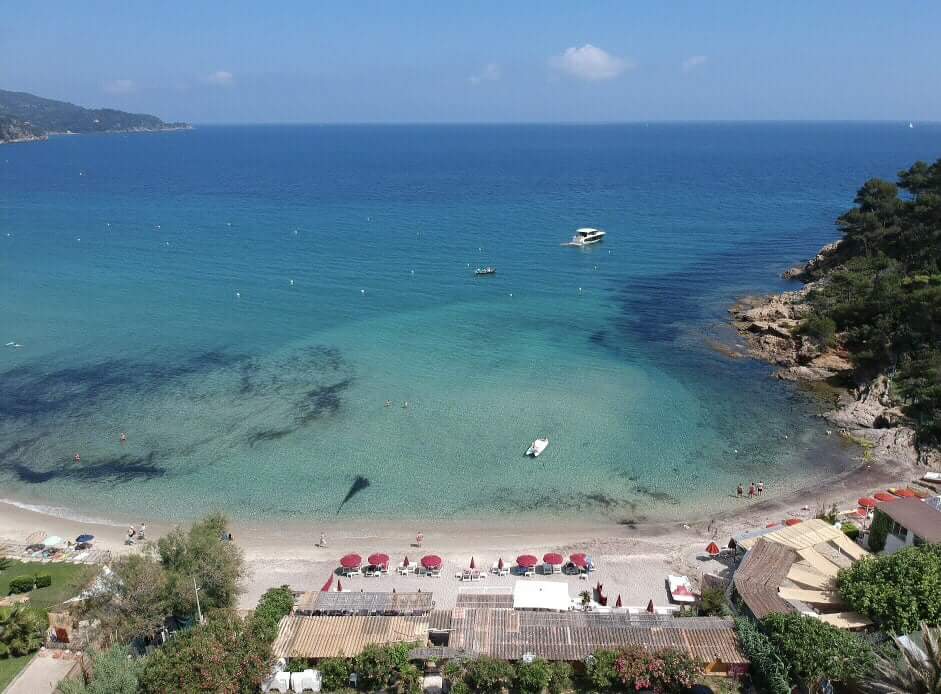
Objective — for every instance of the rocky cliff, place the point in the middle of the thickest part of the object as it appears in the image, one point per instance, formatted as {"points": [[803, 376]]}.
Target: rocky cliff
{"points": [[865, 412]]}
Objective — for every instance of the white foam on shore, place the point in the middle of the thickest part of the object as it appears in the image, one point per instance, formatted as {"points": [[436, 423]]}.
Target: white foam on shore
{"points": [[61, 512]]}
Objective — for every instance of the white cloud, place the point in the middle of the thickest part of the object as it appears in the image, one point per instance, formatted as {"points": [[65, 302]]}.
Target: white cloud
{"points": [[221, 78], [693, 62], [119, 86], [590, 63], [490, 73]]}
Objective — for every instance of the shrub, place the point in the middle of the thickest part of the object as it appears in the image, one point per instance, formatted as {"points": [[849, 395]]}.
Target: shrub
{"points": [[460, 687], [712, 603], [878, 531], [21, 629], [665, 670], [112, 672], [379, 667], [22, 584], [820, 329], [601, 672], [410, 680], [43, 580], [767, 670], [4, 650], [851, 530], [335, 673], [533, 677], [560, 677], [486, 674], [814, 651], [272, 606], [899, 591]]}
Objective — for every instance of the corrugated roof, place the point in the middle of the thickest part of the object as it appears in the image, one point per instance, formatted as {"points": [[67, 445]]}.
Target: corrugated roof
{"points": [[807, 534], [759, 576], [510, 634], [329, 637], [355, 603], [496, 600], [916, 515]]}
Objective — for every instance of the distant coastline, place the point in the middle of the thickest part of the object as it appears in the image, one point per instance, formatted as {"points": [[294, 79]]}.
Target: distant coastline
{"points": [[28, 118]]}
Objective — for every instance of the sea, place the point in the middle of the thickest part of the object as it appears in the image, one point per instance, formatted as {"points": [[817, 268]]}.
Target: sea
{"points": [[285, 321]]}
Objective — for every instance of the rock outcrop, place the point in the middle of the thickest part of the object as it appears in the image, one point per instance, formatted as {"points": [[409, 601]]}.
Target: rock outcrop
{"points": [[866, 412]]}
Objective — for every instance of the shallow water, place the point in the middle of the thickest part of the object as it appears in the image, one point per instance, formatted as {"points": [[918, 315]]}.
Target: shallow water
{"points": [[244, 301]]}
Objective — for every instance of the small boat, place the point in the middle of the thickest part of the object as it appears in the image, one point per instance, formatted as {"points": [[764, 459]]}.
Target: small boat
{"points": [[537, 447], [481, 271], [932, 477], [585, 237]]}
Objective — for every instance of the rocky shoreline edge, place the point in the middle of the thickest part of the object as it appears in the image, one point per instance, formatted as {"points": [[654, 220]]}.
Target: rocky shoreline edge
{"points": [[865, 411]]}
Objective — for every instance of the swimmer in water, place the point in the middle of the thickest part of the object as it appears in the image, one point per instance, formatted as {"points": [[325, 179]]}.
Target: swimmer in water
{"points": [[388, 403], [77, 458], [123, 437], [405, 405]]}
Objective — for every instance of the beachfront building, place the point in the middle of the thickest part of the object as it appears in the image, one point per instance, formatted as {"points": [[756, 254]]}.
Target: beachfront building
{"points": [[794, 569], [507, 625], [908, 522]]}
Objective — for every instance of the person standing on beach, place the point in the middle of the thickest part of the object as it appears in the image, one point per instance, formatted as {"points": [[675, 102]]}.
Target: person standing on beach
{"points": [[751, 490], [761, 487], [740, 490], [323, 540], [419, 538]]}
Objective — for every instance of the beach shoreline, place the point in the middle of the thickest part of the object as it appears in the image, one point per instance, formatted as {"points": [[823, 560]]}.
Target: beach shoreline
{"points": [[287, 552]]}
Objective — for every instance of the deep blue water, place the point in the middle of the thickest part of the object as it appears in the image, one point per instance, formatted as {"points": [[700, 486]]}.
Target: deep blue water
{"points": [[243, 301]]}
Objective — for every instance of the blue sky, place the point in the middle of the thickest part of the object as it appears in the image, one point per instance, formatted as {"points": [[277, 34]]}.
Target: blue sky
{"points": [[405, 61]]}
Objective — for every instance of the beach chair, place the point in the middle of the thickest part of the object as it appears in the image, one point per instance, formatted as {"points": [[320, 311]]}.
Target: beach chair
{"points": [[372, 571], [529, 571], [352, 573], [403, 570]]}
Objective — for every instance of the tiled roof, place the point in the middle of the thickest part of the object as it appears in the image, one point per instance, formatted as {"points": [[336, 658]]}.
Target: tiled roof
{"points": [[329, 637], [355, 603], [510, 634], [759, 576]]}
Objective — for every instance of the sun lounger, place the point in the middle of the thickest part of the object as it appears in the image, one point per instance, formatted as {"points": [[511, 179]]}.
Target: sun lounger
{"points": [[403, 570], [350, 573], [372, 571], [681, 590]]}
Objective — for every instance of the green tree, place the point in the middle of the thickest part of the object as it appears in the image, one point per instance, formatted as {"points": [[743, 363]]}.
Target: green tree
{"points": [[814, 651], [767, 670], [202, 554], [533, 677], [899, 591], [712, 603], [134, 603], [21, 630], [409, 680], [275, 604], [560, 677], [335, 673], [222, 655], [486, 674], [906, 671], [113, 671], [601, 672]]}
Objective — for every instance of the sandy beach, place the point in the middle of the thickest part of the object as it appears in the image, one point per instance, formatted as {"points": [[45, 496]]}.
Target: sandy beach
{"points": [[633, 560]]}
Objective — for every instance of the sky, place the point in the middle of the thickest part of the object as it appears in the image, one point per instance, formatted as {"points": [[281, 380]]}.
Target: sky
{"points": [[404, 61]]}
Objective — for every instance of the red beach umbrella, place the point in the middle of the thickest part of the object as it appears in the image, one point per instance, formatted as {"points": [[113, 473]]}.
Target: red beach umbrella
{"points": [[500, 564], [379, 559], [904, 493], [431, 561], [527, 561], [351, 561], [328, 585], [472, 564], [867, 502], [862, 512], [339, 586], [618, 602], [553, 558], [650, 607], [883, 496], [580, 560], [792, 521], [712, 549]]}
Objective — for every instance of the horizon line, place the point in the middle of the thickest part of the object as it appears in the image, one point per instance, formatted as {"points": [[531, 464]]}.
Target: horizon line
{"points": [[703, 121]]}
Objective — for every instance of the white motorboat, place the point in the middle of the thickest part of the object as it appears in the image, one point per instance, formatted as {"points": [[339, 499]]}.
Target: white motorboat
{"points": [[537, 447], [932, 477], [585, 237]]}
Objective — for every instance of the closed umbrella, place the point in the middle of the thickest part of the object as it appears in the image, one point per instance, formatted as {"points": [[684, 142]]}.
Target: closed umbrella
{"points": [[500, 564], [472, 564], [650, 607], [713, 549], [339, 586], [328, 585], [618, 602]]}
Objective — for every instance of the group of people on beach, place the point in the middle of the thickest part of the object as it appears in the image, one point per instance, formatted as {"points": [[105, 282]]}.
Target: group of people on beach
{"points": [[753, 490]]}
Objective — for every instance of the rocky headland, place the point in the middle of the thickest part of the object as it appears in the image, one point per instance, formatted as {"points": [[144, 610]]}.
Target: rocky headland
{"points": [[865, 411]]}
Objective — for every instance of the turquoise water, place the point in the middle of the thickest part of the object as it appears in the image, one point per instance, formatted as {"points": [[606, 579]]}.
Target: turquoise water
{"points": [[243, 301]]}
